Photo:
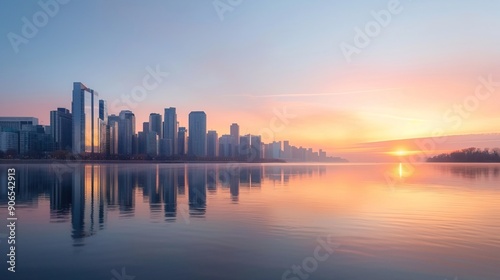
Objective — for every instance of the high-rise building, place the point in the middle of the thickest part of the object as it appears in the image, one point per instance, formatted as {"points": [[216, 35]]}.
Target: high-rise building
{"points": [[275, 150], [152, 140], [244, 146], [155, 124], [86, 121], [142, 142], [287, 150], [225, 146], [235, 136], [250, 147], [126, 132], [212, 143], [197, 134], [113, 123], [104, 129], [170, 132], [182, 141], [256, 147], [61, 125], [103, 110]]}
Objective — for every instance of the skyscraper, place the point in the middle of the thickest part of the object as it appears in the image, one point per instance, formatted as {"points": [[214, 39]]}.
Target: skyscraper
{"points": [[197, 143], [61, 123], [212, 143], [256, 145], [182, 141], [235, 136], [287, 150], [225, 146], [113, 123], [170, 131], [250, 147], [104, 129], [155, 124], [126, 132], [244, 146], [86, 122]]}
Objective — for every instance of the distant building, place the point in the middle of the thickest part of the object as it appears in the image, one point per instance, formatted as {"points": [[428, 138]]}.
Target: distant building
{"points": [[126, 132], [244, 146], [142, 143], [113, 123], [250, 147], [170, 132], [287, 150], [275, 148], [33, 140], [61, 125], [104, 129], [197, 145], [28, 135], [256, 147], [9, 141], [145, 127], [155, 124], [182, 141], [86, 121], [235, 136], [225, 146], [212, 143], [16, 123], [152, 140]]}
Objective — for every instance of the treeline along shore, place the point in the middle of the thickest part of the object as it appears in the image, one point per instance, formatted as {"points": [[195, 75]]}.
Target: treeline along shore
{"points": [[469, 155]]}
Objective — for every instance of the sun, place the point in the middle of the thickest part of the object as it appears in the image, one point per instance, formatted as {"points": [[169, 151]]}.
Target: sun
{"points": [[401, 153]]}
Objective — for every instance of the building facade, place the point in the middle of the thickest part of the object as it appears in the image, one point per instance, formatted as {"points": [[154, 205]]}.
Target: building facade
{"points": [[170, 132], [212, 143], [61, 125], [86, 122], [197, 143]]}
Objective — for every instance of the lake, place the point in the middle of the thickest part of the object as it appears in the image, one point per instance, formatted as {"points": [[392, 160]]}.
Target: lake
{"points": [[253, 221]]}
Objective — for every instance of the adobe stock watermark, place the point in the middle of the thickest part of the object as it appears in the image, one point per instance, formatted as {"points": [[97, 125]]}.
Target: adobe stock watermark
{"points": [[453, 117], [121, 276], [323, 251], [151, 81], [223, 6], [31, 26], [372, 29]]}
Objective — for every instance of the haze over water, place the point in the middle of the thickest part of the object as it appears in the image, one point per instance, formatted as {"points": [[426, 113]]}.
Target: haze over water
{"points": [[254, 221]]}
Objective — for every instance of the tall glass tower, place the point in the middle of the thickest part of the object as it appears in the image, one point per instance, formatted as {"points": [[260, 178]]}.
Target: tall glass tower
{"points": [[86, 122], [170, 131]]}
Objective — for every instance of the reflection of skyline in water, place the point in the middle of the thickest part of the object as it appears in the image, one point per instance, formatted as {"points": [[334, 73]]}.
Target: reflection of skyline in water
{"points": [[85, 194]]}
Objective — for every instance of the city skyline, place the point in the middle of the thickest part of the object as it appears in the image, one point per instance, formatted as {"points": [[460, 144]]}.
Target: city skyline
{"points": [[88, 130]]}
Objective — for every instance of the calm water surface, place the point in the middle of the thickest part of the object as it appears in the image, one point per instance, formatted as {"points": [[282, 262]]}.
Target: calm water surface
{"points": [[244, 221]]}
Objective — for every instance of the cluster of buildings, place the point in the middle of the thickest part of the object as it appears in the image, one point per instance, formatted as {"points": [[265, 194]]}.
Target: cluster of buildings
{"points": [[88, 129]]}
